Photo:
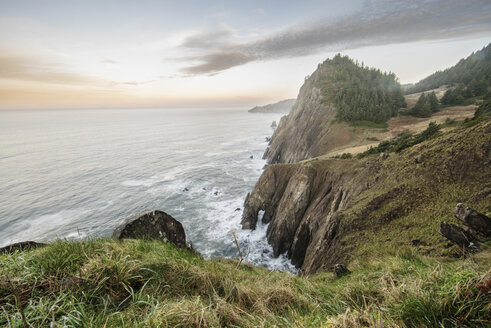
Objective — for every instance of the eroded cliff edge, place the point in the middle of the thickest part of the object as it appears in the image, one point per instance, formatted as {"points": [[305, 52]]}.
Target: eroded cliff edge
{"points": [[303, 132], [325, 211]]}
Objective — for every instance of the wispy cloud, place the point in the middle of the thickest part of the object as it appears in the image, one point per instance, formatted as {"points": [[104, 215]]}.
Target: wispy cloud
{"points": [[133, 83], [109, 61], [379, 22], [218, 36], [40, 70], [37, 69]]}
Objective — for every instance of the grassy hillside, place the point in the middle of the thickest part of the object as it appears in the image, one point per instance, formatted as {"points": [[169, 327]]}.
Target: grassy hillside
{"points": [[473, 71], [404, 274], [107, 283]]}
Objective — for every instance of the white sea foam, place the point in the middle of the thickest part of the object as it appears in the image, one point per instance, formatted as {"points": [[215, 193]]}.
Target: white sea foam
{"points": [[198, 174], [36, 228]]}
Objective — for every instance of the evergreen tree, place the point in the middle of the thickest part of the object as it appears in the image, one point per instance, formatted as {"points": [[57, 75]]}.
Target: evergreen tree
{"points": [[359, 92], [433, 101], [474, 70], [425, 110]]}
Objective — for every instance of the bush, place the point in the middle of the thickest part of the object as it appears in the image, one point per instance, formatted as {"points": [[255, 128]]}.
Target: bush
{"points": [[403, 141]]}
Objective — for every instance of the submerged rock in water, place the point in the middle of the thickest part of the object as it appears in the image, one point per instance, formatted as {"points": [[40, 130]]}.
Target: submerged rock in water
{"points": [[152, 225]]}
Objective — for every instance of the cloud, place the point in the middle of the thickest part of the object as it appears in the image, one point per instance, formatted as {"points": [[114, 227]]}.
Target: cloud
{"points": [[216, 62], [40, 70], [108, 61], [379, 22], [135, 83], [218, 36]]}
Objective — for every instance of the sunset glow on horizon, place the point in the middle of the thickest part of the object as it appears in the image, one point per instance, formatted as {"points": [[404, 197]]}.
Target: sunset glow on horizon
{"points": [[118, 54]]}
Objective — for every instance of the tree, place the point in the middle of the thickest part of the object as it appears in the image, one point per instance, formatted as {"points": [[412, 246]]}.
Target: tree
{"points": [[433, 101], [425, 111], [448, 97]]}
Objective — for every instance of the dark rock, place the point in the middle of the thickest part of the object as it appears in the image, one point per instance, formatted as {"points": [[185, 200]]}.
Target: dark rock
{"points": [[418, 159], [268, 139], [417, 242], [274, 125], [459, 236], [237, 209], [247, 197], [215, 193], [384, 156], [251, 157], [340, 270], [185, 189], [20, 246], [152, 225], [478, 223]]}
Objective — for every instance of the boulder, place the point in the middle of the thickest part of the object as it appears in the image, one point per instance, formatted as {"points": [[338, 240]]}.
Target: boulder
{"points": [[340, 270], [152, 225], [20, 246], [384, 156], [459, 236], [479, 224]]}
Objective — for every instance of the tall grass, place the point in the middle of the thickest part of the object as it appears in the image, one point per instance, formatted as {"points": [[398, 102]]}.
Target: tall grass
{"points": [[107, 283]]}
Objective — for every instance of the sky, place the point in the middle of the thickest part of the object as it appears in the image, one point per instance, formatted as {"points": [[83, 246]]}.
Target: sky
{"points": [[191, 53]]}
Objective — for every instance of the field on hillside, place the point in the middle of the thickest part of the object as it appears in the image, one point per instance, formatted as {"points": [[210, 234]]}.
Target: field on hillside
{"points": [[345, 138]]}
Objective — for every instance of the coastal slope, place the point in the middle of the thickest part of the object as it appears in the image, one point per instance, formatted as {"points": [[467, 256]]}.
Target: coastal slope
{"points": [[325, 211]]}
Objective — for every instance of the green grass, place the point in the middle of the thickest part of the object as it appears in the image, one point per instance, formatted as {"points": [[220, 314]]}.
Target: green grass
{"points": [[135, 283]]}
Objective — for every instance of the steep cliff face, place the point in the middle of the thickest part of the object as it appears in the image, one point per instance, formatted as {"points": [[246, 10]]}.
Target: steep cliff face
{"points": [[302, 203], [326, 211], [303, 132], [339, 88]]}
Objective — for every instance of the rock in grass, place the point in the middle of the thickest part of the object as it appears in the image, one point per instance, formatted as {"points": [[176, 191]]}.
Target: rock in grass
{"points": [[21, 246], [459, 236], [478, 223], [340, 270], [152, 225]]}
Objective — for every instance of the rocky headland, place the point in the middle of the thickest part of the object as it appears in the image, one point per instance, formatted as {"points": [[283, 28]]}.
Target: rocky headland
{"points": [[323, 211], [282, 107]]}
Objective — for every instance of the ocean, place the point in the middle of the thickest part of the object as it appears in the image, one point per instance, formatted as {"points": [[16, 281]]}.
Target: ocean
{"points": [[76, 174]]}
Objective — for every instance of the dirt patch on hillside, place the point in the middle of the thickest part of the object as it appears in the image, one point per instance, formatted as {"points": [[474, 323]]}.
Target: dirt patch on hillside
{"points": [[344, 138], [413, 97]]}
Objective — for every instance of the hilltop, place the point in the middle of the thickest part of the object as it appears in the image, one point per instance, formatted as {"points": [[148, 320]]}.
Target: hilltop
{"points": [[340, 90], [474, 71]]}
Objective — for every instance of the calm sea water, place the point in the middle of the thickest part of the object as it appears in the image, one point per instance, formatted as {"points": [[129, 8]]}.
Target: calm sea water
{"points": [[79, 173]]}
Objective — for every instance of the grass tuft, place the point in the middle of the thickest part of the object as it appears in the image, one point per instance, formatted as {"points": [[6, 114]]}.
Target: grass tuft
{"points": [[136, 283]]}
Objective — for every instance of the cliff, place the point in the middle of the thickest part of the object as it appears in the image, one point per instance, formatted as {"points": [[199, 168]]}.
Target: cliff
{"points": [[326, 211], [339, 88], [282, 106], [303, 132]]}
